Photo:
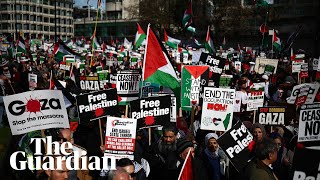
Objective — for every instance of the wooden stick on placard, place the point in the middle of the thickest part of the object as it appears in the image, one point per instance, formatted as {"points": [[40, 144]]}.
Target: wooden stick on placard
{"points": [[149, 132], [254, 116], [193, 109], [126, 113], [11, 87], [44, 136], [101, 139]]}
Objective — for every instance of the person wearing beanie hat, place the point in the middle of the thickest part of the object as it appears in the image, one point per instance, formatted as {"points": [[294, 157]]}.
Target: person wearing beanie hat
{"points": [[183, 147], [213, 157]]}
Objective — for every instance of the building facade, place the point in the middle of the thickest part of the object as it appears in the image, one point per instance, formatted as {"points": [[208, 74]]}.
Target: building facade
{"points": [[119, 21], [34, 18]]}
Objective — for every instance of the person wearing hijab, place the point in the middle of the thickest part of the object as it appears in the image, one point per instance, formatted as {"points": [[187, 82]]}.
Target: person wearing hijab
{"points": [[213, 157]]}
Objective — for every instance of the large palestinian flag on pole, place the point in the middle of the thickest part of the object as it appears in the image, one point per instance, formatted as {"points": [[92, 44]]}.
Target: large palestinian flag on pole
{"points": [[276, 41], [157, 68]]}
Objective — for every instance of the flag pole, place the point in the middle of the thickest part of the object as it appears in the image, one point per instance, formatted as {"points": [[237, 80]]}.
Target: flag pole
{"points": [[101, 139]]}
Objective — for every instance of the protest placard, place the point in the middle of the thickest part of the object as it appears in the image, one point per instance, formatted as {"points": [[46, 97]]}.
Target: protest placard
{"points": [[120, 137], [36, 110], [235, 143], [90, 83], [95, 105], [173, 109], [315, 63], [128, 85], [309, 123], [255, 100], [306, 164], [148, 88], [269, 69], [262, 63], [151, 111], [193, 79], [217, 109], [237, 66], [272, 115], [304, 70], [225, 81], [33, 80], [311, 94], [216, 66]]}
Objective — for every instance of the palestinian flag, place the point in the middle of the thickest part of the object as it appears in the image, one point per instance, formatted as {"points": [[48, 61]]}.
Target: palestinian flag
{"points": [[157, 68], [191, 76], [186, 172], [21, 46], [61, 49], [99, 13], [171, 42], [209, 43], [95, 43], [292, 55], [187, 16], [276, 41], [140, 37]]}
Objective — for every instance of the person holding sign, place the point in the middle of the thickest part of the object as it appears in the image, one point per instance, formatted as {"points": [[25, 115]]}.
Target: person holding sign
{"points": [[213, 157]]}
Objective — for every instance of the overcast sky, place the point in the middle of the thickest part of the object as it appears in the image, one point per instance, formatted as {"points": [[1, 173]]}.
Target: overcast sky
{"points": [[93, 3]]}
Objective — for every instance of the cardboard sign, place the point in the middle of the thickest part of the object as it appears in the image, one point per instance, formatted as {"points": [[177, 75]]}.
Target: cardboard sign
{"points": [[269, 69], [262, 63], [225, 81], [216, 66], [304, 70], [128, 85], [296, 66], [235, 143], [309, 123], [36, 110], [90, 83], [255, 100], [148, 88], [95, 105], [120, 137], [151, 111], [306, 164], [33, 80], [315, 63], [217, 109], [272, 115], [173, 109], [237, 66], [64, 67], [216, 63], [193, 79], [311, 94]]}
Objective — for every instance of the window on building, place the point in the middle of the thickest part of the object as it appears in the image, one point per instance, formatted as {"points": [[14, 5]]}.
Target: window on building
{"points": [[25, 7], [46, 28], [51, 28], [32, 18], [45, 10], [26, 17], [18, 7], [32, 8], [19, 16], [45, 19], [51, 11], [33, 27], [51, 20], [19, 26], [68, 21], [5, 7], [5, 26], [63, 21], [114, 15], [63, 12], [39, 9], [5, 16], [39, 18], [26, 26], [39, 28], [46, 2], [63, 29]]}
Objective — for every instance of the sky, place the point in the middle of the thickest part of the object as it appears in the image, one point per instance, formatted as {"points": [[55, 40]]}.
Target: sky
{"points": [[80, 3]]}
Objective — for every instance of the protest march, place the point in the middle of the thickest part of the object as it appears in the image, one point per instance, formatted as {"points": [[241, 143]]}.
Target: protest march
{"points": [[161, 108]]}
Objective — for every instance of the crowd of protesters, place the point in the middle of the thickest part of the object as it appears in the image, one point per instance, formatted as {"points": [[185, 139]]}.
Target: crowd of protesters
{"points": [[272, 148]]}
